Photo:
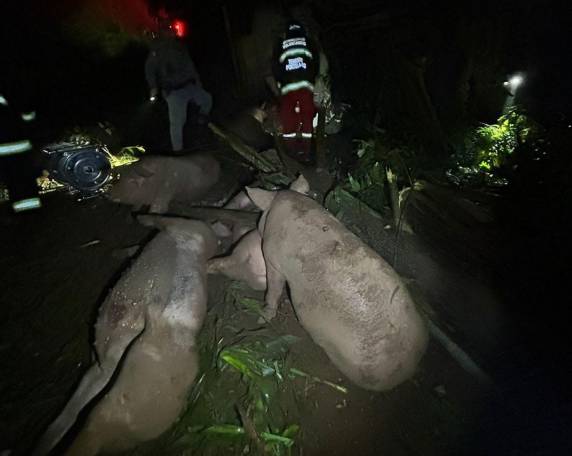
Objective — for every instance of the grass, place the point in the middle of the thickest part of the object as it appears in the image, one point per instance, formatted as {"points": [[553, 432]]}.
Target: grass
{"points": [[245, 398]]}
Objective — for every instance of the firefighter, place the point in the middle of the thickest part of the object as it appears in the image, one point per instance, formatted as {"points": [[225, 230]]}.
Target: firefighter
{"points": [[295, 66], [170, 71], [16, 154]]}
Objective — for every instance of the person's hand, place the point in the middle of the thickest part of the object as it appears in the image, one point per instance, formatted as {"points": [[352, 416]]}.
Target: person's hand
{"points": [[153, 94]]}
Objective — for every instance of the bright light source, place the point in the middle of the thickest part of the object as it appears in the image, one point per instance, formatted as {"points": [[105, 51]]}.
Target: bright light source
{"points": [[516, 80], [179, 27], [152, 98], [513, 83]]}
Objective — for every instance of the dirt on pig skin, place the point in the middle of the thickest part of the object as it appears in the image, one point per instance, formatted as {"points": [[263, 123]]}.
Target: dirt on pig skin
{"points": [[150, 320], [350, 300], [162, 377]]}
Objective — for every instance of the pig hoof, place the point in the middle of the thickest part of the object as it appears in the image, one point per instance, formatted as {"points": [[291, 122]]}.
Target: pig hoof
{"points": [[266, 315]]}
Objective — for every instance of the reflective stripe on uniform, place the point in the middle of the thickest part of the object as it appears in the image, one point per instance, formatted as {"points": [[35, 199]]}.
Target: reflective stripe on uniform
{"points": [[26, 204], [294, 135], [16, 147], [295, 52], [28, 116], [293, 42], [296, 86], [3, 101]]}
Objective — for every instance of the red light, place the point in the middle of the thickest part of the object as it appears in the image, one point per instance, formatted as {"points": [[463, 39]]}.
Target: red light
{"points": [[179, 27]]}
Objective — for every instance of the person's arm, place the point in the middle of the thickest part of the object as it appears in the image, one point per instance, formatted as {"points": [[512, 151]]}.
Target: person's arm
{"points": [[277, 67]]}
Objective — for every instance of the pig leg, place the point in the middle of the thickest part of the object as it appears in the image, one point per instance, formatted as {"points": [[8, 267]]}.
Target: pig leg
{"points": [[275, 282], [221, 266], [91, 384], [146, 398]]}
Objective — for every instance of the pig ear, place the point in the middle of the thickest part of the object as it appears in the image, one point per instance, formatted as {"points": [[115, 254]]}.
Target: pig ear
{"points": [[300, 185], [262, 198]]}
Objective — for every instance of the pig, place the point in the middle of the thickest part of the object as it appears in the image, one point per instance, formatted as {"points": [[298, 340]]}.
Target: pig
{"points": [[240, 201], [349, 299], [156, 181], [149, 321], [246, 262]]}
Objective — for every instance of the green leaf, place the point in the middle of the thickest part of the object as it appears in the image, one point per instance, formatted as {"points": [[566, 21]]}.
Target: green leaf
{"points": [[274, 438], [226, 429], [354, 184], [291, 430]]}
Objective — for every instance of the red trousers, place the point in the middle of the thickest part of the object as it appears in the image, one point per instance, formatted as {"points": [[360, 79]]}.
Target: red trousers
{"points": [[296, 113]]}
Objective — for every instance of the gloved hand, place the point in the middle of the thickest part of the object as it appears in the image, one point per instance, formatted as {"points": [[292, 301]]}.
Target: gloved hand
{"points": [[153, 94]]}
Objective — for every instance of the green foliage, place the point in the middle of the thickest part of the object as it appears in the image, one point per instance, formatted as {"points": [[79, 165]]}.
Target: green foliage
{"points": [[245, 398], [127, 156], [493, 143], [376, 156], [488, 148]]}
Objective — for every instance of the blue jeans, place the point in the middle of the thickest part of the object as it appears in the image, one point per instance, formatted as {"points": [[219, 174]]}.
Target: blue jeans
{"points": [[178, 103]]}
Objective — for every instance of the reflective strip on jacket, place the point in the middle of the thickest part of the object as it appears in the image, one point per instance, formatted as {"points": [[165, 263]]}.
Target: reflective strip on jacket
{"points": [[296, 86], [26, 204], [16, 147]]}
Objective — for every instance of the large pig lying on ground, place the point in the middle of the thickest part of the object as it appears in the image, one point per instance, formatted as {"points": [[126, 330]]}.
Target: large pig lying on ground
{"points": [[155, 181], [345, 295], [150, 319]]}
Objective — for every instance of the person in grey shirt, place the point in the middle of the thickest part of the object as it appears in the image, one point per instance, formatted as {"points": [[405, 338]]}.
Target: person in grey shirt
{"points": [[170, 71]]}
